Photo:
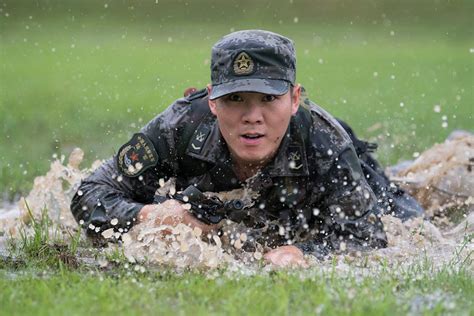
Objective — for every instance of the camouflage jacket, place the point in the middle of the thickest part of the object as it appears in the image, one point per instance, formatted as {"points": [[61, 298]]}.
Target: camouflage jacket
{"points": [[314, 187]]}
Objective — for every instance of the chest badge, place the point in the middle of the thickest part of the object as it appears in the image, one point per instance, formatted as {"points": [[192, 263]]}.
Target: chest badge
{"points": [[294, 160], [199, 138], [243, 64]]}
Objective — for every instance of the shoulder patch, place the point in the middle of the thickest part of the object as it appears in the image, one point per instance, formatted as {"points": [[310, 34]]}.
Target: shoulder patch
{"points": [[136, 156]]}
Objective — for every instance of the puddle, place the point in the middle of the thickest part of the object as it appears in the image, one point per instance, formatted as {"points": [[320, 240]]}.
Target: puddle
{"points": [[441, 179]]}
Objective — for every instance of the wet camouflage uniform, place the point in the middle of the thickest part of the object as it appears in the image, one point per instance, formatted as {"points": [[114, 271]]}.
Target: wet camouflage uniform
{"points": [[315, 188]]}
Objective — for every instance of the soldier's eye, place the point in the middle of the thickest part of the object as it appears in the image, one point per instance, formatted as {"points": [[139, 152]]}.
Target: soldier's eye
{"points": [[234, 97], [269, 98]]}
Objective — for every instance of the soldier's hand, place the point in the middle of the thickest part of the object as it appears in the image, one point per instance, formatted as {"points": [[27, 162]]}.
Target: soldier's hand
{"points": [[172, 213], [286, 256]]}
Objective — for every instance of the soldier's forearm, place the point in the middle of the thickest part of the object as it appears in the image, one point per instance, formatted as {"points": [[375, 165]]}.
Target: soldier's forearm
{"points": [[96, 209]]}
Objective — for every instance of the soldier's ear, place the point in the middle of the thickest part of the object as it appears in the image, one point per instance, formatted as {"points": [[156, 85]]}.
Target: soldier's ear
{"points": [[212, 103], [295, 98]]}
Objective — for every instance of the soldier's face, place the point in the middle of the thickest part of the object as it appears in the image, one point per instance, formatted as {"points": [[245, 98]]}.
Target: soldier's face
{"points": [[253, 124]]}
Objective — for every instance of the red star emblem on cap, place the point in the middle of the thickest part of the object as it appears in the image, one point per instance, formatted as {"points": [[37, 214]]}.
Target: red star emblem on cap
{"points": [[134, 156]]}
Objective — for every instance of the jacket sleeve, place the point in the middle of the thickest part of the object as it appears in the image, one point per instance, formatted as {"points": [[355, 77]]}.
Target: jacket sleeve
{"points": [[111, 197], [347, 216]]}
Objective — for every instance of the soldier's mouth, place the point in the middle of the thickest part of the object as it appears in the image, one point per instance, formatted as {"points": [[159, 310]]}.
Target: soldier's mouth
{"points": [[252, 139], [252, 136]]}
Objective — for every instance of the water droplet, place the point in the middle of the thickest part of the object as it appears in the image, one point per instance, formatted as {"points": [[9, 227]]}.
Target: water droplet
{"points": [[281, 230], [342, 246], [217, 240], [197, 231], [108, 233], [238, 244]]}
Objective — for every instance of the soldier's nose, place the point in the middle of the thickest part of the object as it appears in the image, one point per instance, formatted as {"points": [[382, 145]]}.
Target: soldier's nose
{"points": [[253, 114]]}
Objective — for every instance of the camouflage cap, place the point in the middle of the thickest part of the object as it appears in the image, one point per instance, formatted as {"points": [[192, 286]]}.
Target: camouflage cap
{"points": [[252, 61]]}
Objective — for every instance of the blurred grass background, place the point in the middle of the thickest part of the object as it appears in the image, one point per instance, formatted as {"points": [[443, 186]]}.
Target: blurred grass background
{"points": [[90, 73]]}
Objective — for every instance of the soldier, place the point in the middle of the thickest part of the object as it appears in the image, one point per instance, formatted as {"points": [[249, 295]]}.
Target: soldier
{"points": [[254, 126]]}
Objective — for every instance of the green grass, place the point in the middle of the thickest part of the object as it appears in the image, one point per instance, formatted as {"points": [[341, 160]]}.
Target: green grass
{"points": [[280, 293]]}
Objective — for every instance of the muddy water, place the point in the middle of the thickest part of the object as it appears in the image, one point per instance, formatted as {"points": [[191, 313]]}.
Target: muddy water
{"points": [[440, 178], [443, 176]]}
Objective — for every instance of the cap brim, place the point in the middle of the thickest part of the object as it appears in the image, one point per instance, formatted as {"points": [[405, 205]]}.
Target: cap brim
{"points": [[266, 86]]}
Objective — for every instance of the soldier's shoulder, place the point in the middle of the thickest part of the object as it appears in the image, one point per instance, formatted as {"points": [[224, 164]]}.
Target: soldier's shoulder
{"points": [[193, 102], [192, 94], [325, 138], [324, 128], [190, 108]]}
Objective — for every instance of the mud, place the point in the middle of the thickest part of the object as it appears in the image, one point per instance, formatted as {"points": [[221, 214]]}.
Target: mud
{"points": [[440, 179]]}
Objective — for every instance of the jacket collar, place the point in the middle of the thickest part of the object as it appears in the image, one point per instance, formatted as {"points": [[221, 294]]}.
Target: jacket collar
{"points": [[208, 145]]}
